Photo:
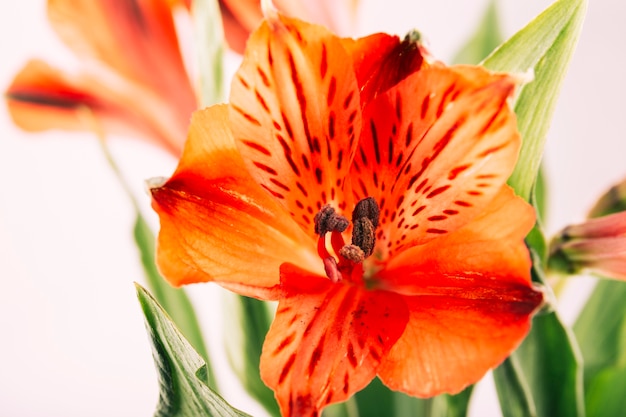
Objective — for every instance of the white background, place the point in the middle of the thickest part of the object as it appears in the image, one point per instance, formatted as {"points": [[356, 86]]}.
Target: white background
{"points": [[72, 341]]}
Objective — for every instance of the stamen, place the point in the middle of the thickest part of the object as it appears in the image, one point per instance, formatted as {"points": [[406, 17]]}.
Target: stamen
{"points": [[336, 241], [352, 253], [363, 235], [327, 220], [321, 248], [368, 208]]}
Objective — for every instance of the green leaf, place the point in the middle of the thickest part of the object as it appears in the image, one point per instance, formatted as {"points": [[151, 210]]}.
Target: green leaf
{"points": [[344, 409], [552, 366], [605, 395], [377, 400], [181, 371], [545, 46], [600, 328], [174, 300], [486, 38], [457, 405], [549, 362], [513, 391], [210, 45], [248, 322]]}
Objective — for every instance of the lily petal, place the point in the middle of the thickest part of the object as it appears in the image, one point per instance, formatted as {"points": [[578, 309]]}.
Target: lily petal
{"points": [[211, 208], [327, 340], [235, 31], [471, 301], [489, 252], [241, 17], [135, 38], [41, 97], [450, 343], [435, 150], [296, 116], [382, 61]]}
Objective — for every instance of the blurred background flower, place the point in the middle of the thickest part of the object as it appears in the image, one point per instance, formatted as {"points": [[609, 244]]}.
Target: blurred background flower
{"points": [[72, 330]]}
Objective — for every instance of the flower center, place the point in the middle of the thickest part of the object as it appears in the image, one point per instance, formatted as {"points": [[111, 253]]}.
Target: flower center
{"points": [[347, 263]]}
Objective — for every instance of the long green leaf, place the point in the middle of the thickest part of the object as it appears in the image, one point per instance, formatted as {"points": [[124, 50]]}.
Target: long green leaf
{"points": [[248, 323], [174, 300], [605, 396], [601, 331], [544, 46], [181, 371], [209, 37], [513, 390]]}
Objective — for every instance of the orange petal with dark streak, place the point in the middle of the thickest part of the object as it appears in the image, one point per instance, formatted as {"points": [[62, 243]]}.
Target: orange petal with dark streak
{"points": [[217, 224], [451, 342], [41, 97], [434, 151], [471, 301], [136, 38], [327, 340], [488, 252], [295, 114], [382, 61]]}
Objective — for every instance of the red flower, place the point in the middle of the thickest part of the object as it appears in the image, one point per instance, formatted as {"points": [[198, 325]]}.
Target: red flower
{"points": [[364, 189]]}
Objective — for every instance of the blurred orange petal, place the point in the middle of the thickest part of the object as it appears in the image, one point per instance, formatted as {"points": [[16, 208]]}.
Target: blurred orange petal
{"points": [[241, 17], [41, 97], [135, 38]]}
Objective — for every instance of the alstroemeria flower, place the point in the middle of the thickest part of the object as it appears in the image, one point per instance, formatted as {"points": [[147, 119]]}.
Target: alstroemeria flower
{"points": [[364, 189], [597, 245], [139, 86]]}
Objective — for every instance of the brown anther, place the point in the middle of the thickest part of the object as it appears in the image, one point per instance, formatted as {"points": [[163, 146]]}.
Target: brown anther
{"points": [[328, 220], [363, 235], [352, 253], [368, 208]]}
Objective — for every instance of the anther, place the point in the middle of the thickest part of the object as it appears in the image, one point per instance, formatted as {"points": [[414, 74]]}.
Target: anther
{"points": [[363, 235], [368, 208], [352, 253], [327, 220]]}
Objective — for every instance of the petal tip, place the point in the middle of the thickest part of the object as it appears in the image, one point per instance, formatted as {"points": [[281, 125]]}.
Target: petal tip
{"points": [[269, 10], [153, 183]]}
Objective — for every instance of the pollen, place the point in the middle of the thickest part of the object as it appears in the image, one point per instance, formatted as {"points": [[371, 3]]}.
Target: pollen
{"points": [[328, 220]]}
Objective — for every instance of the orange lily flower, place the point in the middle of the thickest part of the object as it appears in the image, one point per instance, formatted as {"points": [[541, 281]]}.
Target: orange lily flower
{"points": [[141, 87], [597, 245], [364, 189]]}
